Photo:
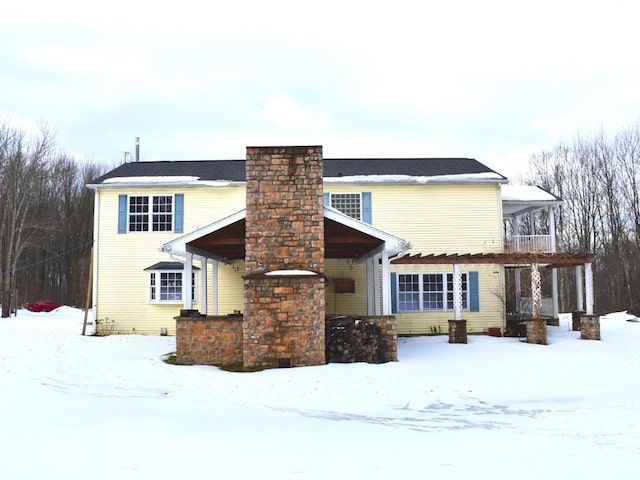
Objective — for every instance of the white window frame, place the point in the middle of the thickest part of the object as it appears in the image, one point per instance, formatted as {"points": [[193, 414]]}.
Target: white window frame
{"points": [[155, 287], [150, 215], [446, 294], [358, 194]]}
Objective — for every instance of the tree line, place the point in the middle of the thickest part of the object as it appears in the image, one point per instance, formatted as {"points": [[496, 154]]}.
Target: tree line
{"points": [[598, 177], [46, 220]]}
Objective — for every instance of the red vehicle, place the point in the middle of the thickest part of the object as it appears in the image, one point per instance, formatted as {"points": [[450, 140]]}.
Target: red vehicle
{"points": [[42, 306]]}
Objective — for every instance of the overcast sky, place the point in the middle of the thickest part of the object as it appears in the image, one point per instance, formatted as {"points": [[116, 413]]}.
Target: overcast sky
{"points": [[493, 80]]}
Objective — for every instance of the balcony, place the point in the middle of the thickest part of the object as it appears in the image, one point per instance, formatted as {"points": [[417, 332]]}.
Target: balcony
{"points": [[529, 244]]}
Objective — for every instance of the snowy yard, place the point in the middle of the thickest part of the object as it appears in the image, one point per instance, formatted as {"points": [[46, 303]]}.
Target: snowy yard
{"points": [[75, 407]]}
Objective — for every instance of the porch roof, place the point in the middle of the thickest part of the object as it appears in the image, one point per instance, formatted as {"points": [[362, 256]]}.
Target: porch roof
{"points": [[344, 236], [520, 199]]}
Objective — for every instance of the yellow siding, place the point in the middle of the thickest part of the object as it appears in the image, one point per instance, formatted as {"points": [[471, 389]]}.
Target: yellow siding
{"points": [[490, 296], [122, 302], [435, 218], [442, 218], [345, 303]]}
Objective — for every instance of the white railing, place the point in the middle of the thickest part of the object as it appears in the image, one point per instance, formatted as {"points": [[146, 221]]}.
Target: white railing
{"points": [[526, 306], [528, 243]]}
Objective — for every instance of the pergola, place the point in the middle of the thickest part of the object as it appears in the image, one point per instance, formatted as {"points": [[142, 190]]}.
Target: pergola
{"points": [[533, 259]]}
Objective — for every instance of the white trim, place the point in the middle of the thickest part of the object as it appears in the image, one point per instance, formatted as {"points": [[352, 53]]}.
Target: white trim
{"points": [[393, 245], [386, 284], [204, 285], [579, 289], [588, 283]]}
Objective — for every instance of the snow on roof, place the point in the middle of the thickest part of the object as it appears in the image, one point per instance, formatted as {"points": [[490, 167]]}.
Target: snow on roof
{"points": [[166, 179], [285, 273], [526, 193], [152, 179], [463, 177]]}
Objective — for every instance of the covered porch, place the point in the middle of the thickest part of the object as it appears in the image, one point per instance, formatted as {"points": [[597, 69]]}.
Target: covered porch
{"points": [[222, 243]]}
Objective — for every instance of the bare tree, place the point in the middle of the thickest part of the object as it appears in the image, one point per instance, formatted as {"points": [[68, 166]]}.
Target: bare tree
{"points": [[23, 169]]}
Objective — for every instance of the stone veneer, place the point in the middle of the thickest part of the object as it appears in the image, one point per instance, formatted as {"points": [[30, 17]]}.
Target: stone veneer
{"points": [[457, 331], [537, 331], [209, 340], [284, 314], [590, 327], [388, 345]]}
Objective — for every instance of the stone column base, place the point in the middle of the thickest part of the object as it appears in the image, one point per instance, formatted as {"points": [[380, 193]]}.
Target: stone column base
{"points": [[537, 331], [457, 331], [590, 327]]}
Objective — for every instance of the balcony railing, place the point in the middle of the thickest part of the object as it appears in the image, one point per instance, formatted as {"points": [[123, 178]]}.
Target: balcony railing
{"points": [[529, 244]]}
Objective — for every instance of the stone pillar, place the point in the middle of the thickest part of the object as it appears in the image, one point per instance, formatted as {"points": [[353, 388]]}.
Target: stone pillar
{"points": [[457, 331], [575, 320], [284, 291], [537, 331], [590, 327]]}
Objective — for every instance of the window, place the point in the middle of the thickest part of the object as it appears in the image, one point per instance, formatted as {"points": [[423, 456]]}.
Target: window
{"points": [[150, 213], [356, 205], [348, 203], [166, 286], [159, 216], [428, 292]]}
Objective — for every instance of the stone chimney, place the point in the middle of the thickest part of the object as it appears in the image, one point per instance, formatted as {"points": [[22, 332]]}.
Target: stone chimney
{"points": [[284, 290]]}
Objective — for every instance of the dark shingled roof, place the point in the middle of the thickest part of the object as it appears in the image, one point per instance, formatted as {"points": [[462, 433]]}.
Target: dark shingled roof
{"points": [[234, 170]]}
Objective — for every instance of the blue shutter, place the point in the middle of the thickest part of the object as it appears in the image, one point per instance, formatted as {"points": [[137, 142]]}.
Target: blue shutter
{"points": [[178, 216], [326, 199], [474, 294], [366, 207], [394, 293], [122, 214]]}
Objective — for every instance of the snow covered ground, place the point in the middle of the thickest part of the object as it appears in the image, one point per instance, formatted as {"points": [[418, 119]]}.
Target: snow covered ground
{"points": [[75, 407]]}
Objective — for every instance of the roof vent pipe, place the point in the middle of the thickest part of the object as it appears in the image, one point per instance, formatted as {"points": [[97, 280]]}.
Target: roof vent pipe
{"points": [[137, 149]]}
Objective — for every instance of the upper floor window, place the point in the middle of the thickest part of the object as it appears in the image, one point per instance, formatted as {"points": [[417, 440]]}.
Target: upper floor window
{"points": [[348, 203], [153, 213], [355, 205], [150, 213]]}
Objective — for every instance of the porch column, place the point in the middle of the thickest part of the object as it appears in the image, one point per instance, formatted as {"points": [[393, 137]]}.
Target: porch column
{"points": [[386, 284], [552, 228], [457, 292], [515, 244], [370, 286], [214, 287], [203, 285], [186, 282], [532, 224], [536, 291], [377, 301], [518, 281], [579, 292], [554, 271], [554, 292], [588, 286]]}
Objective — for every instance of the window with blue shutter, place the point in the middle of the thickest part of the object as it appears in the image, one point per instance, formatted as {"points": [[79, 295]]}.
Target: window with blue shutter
{"points": [[156, 213], [122, 214], [178, 226], [394, 293], [432, 292], [474, 292], [356, 205]]}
